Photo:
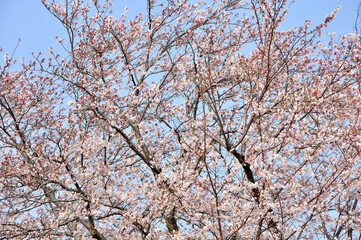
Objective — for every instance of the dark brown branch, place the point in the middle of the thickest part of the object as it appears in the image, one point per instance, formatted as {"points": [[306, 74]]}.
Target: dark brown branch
{"points": [[248, 171]]}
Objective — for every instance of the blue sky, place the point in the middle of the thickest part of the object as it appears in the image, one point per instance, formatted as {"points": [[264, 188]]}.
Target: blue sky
{"points": [[37, 28]]}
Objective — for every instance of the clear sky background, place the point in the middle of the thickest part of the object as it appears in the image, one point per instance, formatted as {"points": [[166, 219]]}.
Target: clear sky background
{"points": [[37, 28]]}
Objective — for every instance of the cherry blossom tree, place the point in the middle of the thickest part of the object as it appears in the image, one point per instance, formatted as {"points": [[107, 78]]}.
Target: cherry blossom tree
{"points": [[194, 120]]}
